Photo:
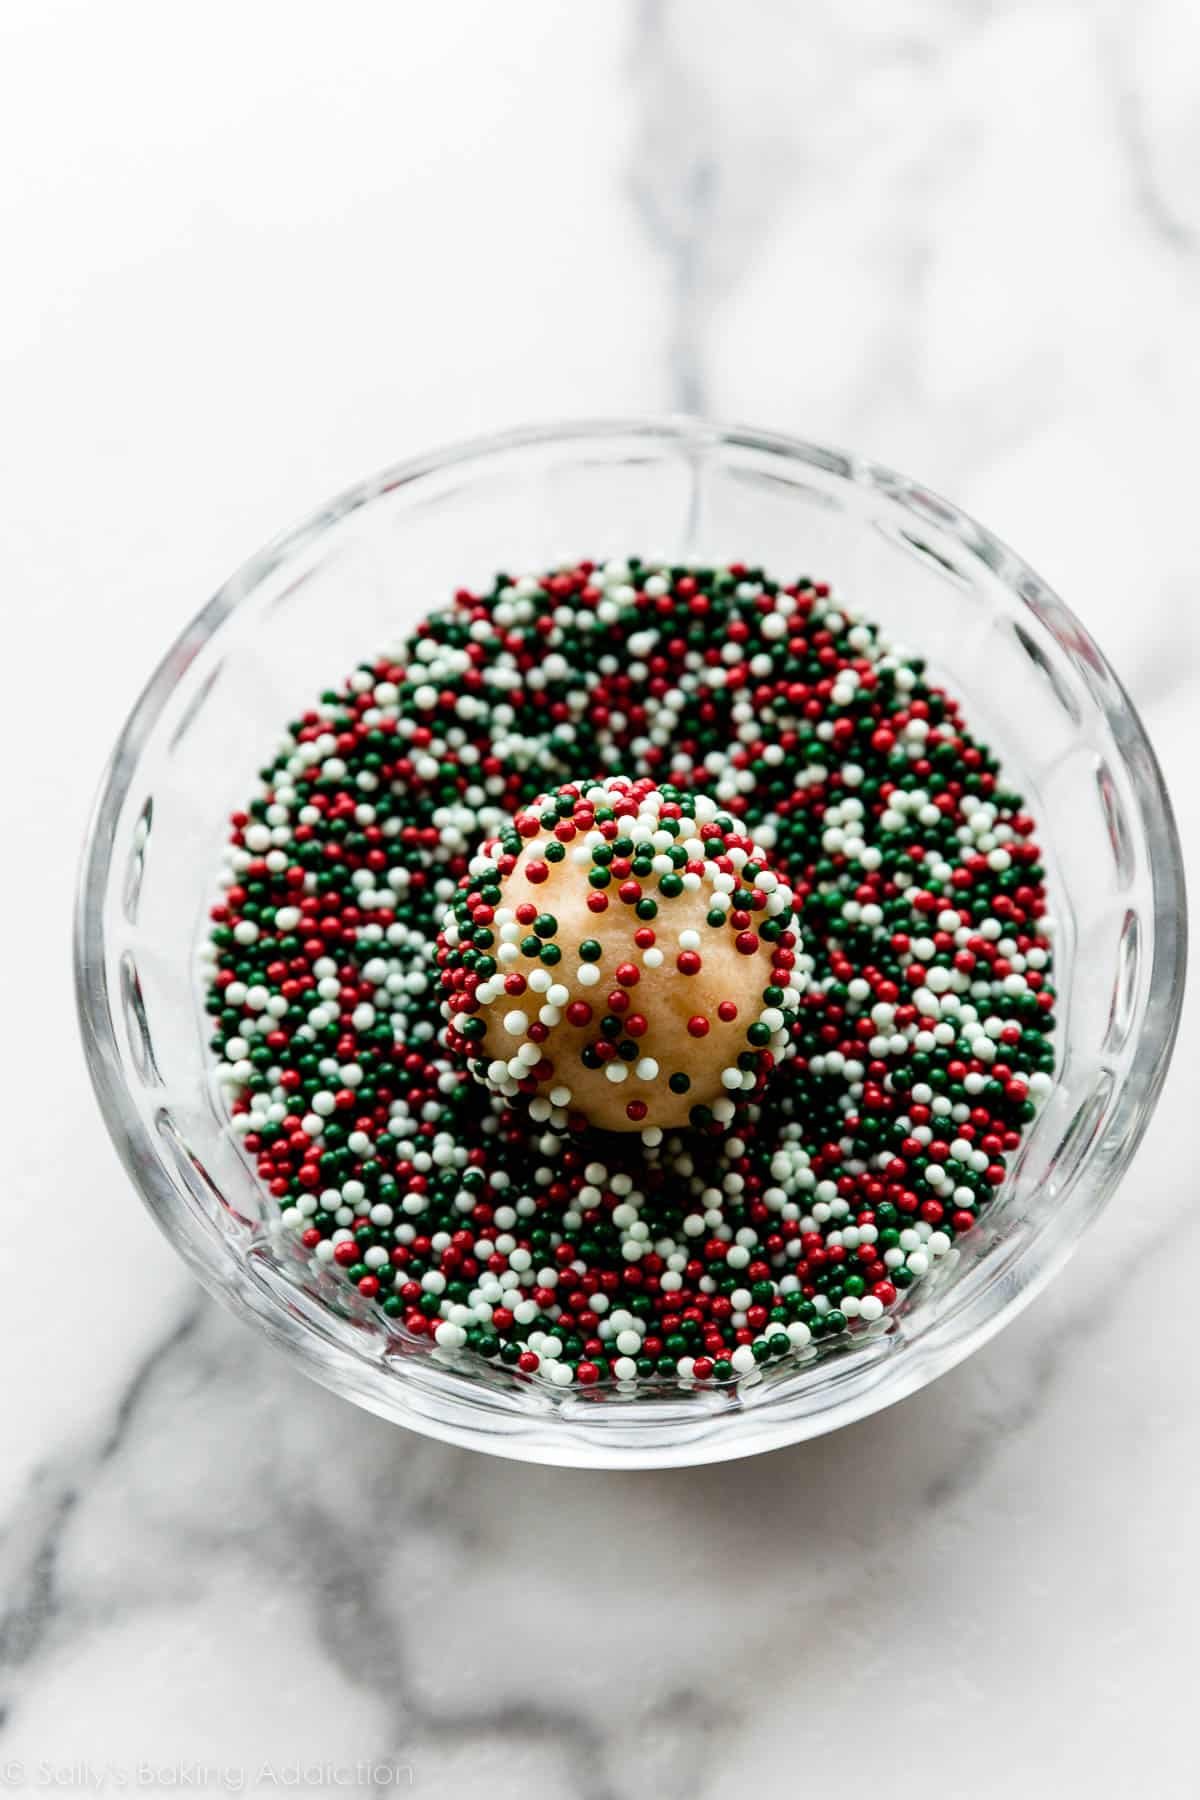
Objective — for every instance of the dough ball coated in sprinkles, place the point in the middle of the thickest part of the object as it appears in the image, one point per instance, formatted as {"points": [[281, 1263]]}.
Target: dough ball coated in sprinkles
{"points": [[664, 927], [480, 1209]]}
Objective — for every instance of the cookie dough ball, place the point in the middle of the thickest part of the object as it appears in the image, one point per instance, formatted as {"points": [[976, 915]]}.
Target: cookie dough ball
{"points": [[625, 956]]}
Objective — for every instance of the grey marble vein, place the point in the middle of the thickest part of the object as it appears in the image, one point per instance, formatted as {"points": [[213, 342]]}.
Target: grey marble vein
{"points": [[674, 185], [31, 1540], [1158, 209], [369, 1642]]}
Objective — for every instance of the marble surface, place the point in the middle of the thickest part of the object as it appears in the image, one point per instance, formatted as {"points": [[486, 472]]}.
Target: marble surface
{"points": [[253, 252]]}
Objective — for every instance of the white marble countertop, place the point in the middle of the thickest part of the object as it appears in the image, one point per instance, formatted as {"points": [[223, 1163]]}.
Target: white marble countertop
{"points": [[254, 252]]}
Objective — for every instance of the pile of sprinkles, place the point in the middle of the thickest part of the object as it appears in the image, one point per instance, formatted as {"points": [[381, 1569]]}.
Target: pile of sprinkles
{"points": [[864, 1126]]}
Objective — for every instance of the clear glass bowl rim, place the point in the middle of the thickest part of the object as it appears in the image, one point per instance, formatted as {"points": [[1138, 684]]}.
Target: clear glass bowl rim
{"points": [[847, 1394]]}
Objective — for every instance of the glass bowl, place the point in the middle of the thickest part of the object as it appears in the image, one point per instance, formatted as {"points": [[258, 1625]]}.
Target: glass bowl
{"points": [[366, 567]]}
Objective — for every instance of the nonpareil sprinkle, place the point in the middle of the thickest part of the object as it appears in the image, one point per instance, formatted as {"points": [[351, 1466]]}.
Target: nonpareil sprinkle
{"points": [[684, 853]]}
